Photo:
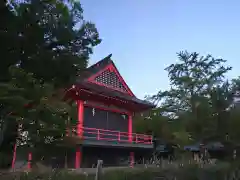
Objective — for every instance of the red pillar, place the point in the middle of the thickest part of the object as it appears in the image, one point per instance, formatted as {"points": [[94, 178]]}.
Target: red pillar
{"points": [[78, 158], [131, 159], [80, 118], [14, 155], [29, 162], [130, 138], [79, 133], [29, 165], [130, 128]]}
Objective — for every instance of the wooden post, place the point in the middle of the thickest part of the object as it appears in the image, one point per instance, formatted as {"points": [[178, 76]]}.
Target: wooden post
{"points": [[99, 170], [234, 154], [66, 160]]}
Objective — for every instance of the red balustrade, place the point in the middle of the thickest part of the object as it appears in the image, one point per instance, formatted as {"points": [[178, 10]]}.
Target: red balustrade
{"points": [[109, 135]]}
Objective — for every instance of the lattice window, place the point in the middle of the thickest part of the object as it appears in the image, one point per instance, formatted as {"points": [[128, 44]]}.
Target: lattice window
{"points": [[111, 79]]}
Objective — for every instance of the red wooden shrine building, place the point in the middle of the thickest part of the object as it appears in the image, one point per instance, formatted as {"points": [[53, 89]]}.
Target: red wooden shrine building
{"points": [[106, 107]]}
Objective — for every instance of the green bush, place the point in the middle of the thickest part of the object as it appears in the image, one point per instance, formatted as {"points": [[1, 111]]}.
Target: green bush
{"points": [[55, 175], [188, 172], [5, 160]]}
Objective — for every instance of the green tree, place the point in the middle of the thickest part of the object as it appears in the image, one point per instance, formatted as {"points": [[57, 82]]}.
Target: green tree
{"points": [[162, 127], [233, 113], [51, 39], [196, 83], [32, 113], [152, 123], [46, 44]]}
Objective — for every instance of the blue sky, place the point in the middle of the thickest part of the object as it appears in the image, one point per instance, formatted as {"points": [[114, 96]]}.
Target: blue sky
{"points": [[145, 35]]}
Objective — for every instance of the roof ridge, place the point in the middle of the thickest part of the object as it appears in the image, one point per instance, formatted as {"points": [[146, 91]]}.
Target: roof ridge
{"points": [[99, 62]]}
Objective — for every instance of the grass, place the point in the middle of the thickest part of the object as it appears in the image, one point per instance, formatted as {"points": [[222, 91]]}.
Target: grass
{"points": [[186, 172]]}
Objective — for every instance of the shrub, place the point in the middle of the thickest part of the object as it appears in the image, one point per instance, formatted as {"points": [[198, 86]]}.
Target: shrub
{"points": [[188, 172]]}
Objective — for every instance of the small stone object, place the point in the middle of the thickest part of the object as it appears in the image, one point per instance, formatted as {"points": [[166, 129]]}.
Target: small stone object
{"points": [[234, 154]]}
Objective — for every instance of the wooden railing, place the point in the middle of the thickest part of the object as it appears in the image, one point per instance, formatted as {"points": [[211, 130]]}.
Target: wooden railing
{"points": [[114, 136]]}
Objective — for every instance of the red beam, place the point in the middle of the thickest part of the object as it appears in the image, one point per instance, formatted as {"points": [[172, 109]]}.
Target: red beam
{"points": [[107, 109], [86, 94]]}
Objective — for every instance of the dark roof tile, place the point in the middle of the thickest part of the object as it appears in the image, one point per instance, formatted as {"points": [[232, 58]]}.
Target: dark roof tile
{"points": [[96, 67]]}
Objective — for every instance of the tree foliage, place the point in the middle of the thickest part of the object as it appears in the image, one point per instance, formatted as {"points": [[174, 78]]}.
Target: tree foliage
{"points": [[44, 46], [51, 39], [201, 102], [191, 79]]}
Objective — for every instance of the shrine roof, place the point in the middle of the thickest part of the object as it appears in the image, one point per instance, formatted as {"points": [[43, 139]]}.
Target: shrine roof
{"points": [[96, 67], [91, 80]]}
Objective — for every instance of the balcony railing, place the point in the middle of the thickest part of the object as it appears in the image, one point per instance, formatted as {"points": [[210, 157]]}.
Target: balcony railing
{"points": [[113, 136]]}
